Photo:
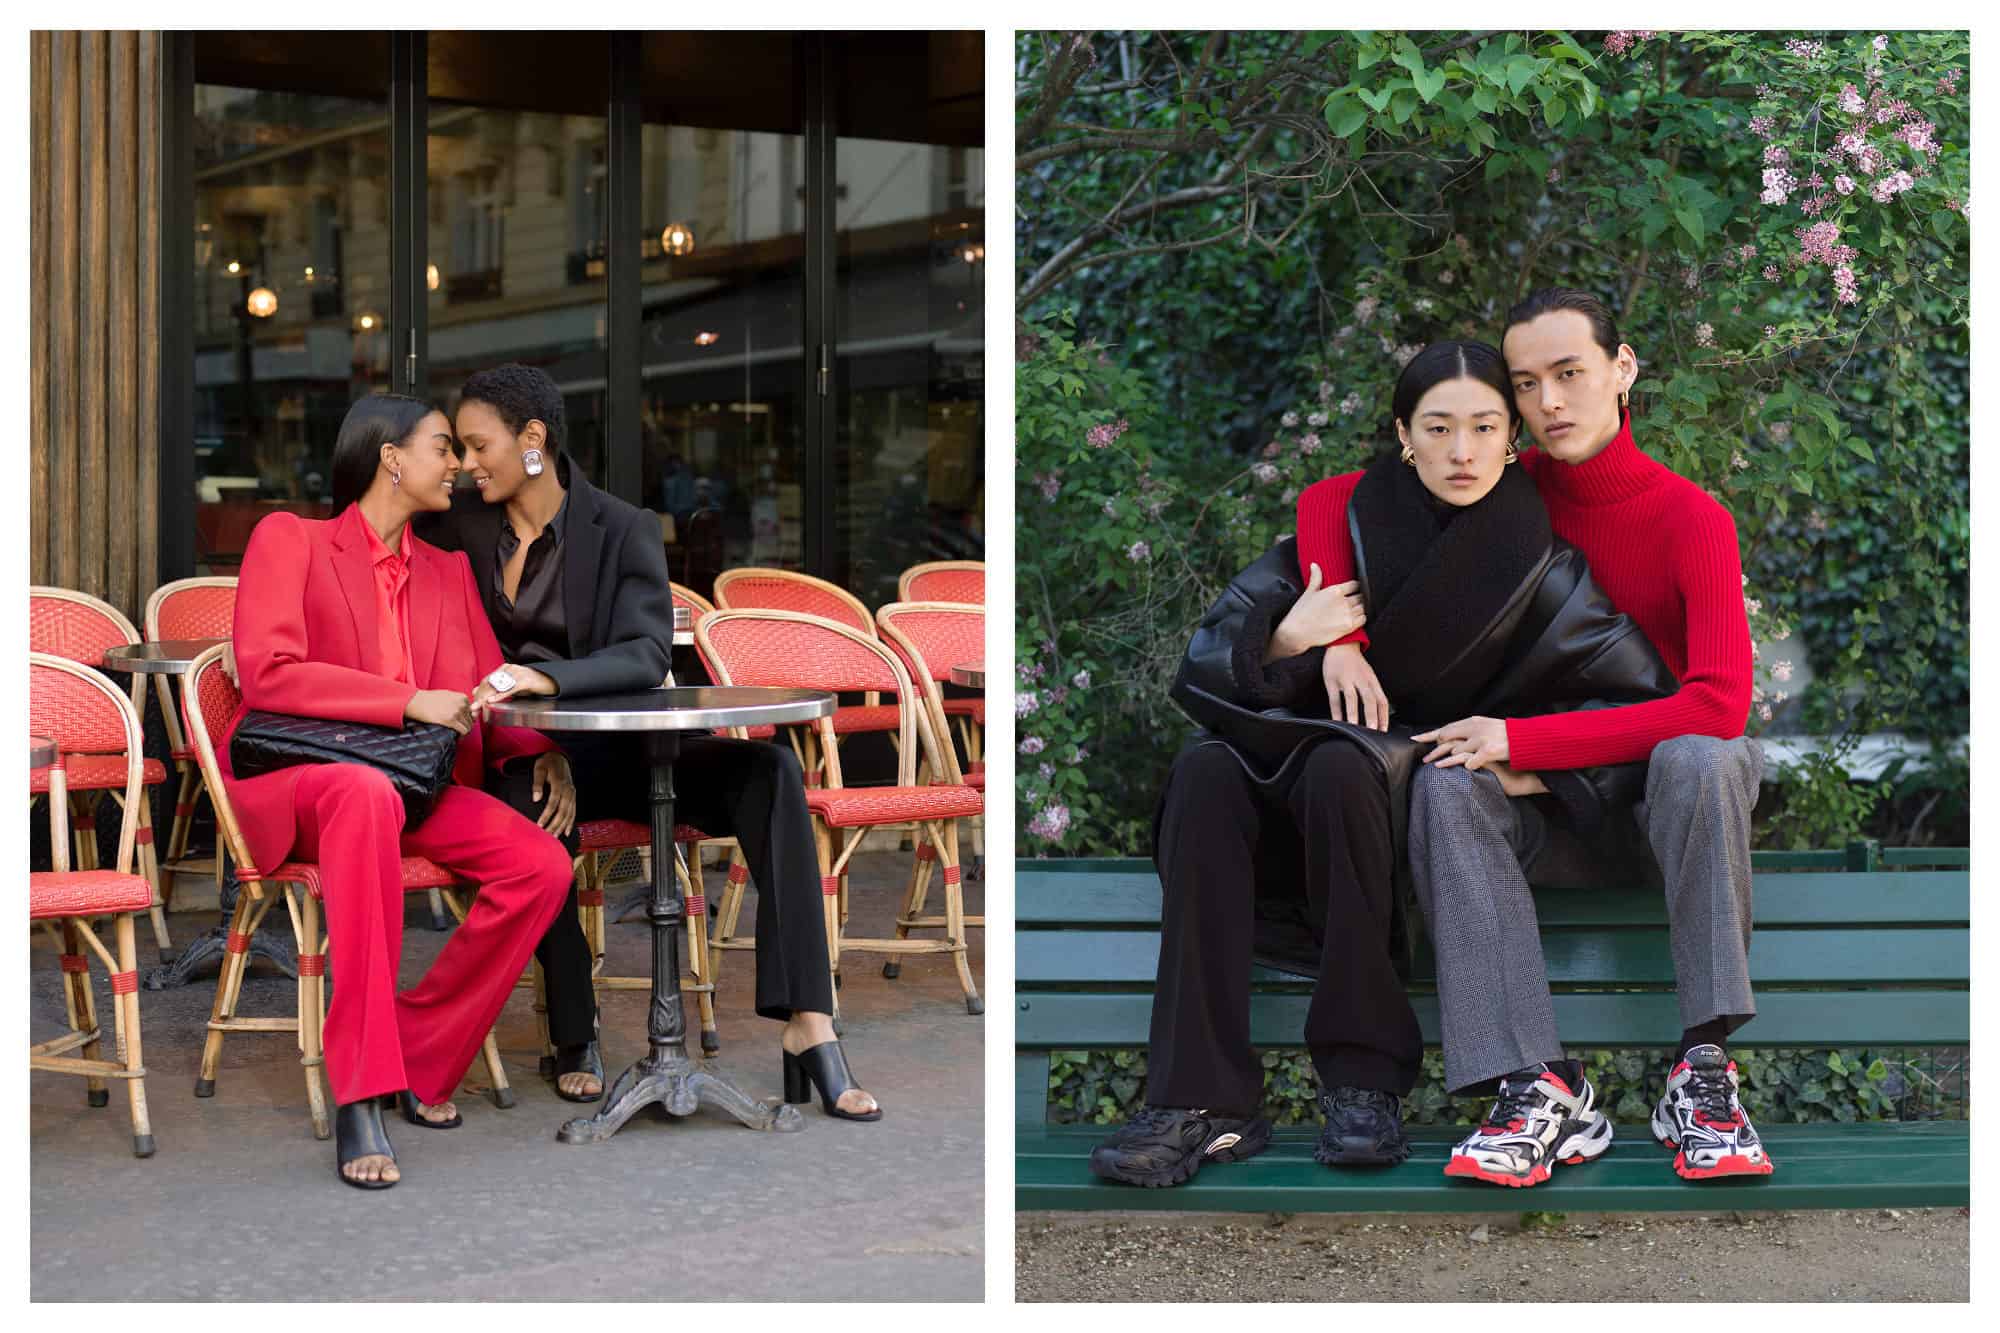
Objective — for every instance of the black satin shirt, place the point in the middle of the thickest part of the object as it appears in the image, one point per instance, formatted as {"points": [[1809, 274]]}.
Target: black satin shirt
{"points": [[531, 626]]}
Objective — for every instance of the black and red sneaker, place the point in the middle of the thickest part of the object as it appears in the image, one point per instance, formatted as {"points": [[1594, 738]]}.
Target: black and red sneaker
{"points": [[1543, 1115], [1701, 1117]]}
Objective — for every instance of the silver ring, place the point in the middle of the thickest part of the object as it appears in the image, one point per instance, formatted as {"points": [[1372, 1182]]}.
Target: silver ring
{"points": [[501, 679]]}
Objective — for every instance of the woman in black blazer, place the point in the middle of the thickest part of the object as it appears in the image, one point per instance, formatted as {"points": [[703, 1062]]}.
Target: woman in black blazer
{"points": [[575, 583]]}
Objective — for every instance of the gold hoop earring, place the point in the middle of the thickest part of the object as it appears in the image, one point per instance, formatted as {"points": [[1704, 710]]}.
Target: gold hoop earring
{"points": [[1513, 454], [1624, 400], [1409, 455]]}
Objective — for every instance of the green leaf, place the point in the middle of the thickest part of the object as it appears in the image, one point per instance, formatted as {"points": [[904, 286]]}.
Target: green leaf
{"points": [[1802, 483], [1346, 118], [1521, 71], [1496, 165], [1555, 110], [1316, 40], [1430, 84], [1833, 1062], [1403, 105], [1859, 447], [1377, 102], [1486, 100], [1691, 223]]}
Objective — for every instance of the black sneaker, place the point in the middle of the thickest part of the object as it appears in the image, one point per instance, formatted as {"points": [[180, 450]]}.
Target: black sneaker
{"points": [[1165, 1145], [1361, 1127]]}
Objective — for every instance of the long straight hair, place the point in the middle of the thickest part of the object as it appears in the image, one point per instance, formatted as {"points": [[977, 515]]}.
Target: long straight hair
{"points": [[378, 419]]}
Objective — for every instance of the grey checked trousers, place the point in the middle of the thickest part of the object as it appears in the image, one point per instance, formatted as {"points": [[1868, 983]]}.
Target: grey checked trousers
{"points": [[1472, 850]]}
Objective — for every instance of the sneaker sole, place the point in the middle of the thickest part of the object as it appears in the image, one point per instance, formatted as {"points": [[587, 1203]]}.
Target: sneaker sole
{"points": [[1734, 1164], [1576, 1149], [1255, 1139]]}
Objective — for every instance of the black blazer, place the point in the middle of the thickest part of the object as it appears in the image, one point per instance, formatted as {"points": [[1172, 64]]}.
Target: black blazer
{"points": [[615, 591]]}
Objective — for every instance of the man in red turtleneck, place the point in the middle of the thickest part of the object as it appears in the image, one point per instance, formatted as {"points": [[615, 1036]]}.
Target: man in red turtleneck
{"points": [[1666, 553]]}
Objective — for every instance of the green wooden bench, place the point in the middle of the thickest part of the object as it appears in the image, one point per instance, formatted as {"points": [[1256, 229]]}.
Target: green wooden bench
{"points": [[1854, 947]]}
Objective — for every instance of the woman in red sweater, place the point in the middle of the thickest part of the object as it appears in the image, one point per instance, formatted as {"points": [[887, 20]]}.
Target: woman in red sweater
{"points": [[354, 619]]}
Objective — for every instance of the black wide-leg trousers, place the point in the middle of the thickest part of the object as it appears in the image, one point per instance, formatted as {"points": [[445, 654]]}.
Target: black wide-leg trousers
{"points": [[1360, 1030], [752, 791]]}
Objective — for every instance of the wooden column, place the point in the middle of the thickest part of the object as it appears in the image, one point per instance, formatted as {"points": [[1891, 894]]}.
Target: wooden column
{"points": [[93, 344]]}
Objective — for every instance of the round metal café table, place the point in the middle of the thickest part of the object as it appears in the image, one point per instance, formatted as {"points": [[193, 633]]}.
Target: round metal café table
{"points": [[174, 657], [169, 657], [659, 718], [41, 751], [971, 675]]}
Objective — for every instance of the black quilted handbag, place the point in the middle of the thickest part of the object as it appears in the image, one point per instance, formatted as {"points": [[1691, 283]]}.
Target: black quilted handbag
{"points": [[417, 757]]}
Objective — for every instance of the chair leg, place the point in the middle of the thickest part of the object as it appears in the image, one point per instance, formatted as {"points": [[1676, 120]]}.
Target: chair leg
{"points": [[954, 911], [82, 1007], [913, 899], [129, 1046], [823, 842], [697, 949], [177, 834], [439, 920], [312, 1002], [546, 1066], [503, 1091], [83, 824], [149, 867], [228, 986]]}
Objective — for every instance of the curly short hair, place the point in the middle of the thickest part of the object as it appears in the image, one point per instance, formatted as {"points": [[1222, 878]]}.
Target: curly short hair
{"points": [[520, 394]]}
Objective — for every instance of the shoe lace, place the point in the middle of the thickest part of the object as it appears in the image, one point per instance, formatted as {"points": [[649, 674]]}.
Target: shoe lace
{"points": [[1713, 1097], [1511, 1107], [1150, 1120], [1362, 1098]]}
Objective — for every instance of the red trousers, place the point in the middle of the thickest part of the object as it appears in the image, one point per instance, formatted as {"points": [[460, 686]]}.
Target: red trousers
{"points": [[350, 821]]}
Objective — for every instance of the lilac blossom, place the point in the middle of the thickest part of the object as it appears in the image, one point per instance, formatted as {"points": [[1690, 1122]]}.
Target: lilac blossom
{"points": [[1138, 552], [1265, 473], [1050, 822], [1081, 679], [1704, 335], [1309, 443], [1032, 745]]}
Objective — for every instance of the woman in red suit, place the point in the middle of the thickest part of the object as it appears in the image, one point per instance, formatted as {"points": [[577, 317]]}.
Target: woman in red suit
{"points": [[353, 618]]}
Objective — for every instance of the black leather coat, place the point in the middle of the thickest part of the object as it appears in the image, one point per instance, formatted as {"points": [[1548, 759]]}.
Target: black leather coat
{"points": [[1549, 641]]}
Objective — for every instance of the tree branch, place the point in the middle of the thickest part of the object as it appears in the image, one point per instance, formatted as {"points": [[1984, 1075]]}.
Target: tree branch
{"points": [[1073, 58]]}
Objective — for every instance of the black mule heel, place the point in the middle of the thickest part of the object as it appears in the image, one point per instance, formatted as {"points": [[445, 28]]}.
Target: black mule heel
{"points": [[582, 1059], [358, 1132], [824, 1067], [406, 1102]]}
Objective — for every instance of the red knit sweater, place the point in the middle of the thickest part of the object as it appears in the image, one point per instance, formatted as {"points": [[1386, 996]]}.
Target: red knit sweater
{"points": [[1665, 553]]}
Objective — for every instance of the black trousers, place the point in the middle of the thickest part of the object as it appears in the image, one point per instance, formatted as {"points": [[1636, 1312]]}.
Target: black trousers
{"points": [[1360, 1030], [753, 791]]}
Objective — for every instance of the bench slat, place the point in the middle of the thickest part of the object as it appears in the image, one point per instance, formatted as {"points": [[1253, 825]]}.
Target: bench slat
{"points": [[1819, 1166], [1055, 1021], [1052, 898], [1599, 957]]}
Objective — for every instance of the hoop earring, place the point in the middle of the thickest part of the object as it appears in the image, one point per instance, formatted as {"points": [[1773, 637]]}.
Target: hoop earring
{"points": [[1625, 400], [1513, 454], [1409, 456]]}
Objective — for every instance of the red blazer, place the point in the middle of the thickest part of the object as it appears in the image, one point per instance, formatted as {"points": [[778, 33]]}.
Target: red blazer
{"points": [[306, 644]]}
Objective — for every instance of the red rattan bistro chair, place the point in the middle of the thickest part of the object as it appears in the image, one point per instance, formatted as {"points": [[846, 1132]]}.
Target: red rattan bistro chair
{"points": [[209, 698], [961, 581], [83, 628], [931, 637], [785, 648], [785, 590], [203, 608], [87, 717]]}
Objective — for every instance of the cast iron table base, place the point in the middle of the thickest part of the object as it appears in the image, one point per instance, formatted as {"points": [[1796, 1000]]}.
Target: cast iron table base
{"points": [[666, 1074]]}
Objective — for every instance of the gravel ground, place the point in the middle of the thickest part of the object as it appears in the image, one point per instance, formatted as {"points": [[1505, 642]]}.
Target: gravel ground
{"points": [[1862, 1255]]}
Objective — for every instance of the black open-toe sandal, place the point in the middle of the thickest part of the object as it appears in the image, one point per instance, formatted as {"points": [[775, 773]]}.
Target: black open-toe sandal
{"points": [[406, 1102], [357, 1133], [582, 1059], [824, 1067]]}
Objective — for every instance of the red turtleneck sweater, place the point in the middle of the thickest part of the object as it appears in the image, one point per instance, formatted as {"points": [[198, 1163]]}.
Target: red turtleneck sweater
{"points": [[1665, 553]]}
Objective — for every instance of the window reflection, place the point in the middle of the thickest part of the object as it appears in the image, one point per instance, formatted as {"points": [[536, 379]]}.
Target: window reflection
{"points": [[909, 469], [720, 360], [290, 296], [516, 242]]}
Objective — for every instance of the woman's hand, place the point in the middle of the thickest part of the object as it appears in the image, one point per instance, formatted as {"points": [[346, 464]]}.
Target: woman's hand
{"points": [[1352, 690], [527, 680], [552, 774], [1516, 783], [447, 708], [1476, 742], [1320, 616]]}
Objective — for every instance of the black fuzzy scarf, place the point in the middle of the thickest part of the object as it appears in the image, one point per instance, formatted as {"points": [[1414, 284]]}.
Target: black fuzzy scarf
{"points": [[1442, 587]]}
